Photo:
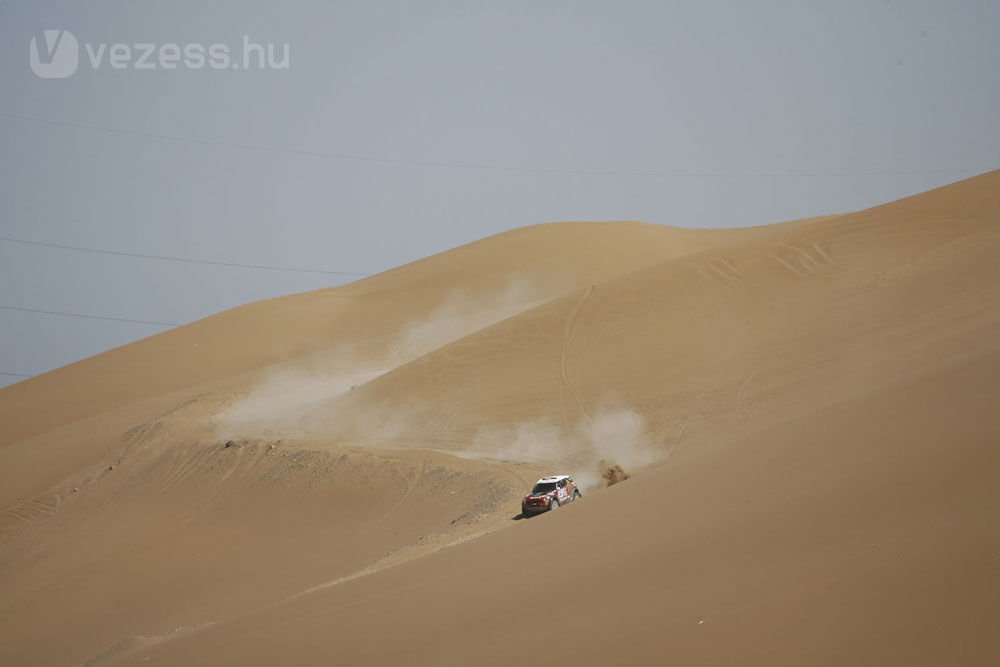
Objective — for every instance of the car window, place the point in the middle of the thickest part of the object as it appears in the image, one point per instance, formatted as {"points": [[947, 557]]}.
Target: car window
{"points": [[543, 487]]}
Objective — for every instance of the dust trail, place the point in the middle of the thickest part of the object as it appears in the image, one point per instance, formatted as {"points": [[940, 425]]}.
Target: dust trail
{"points": [[296, 398], [598, 451]]}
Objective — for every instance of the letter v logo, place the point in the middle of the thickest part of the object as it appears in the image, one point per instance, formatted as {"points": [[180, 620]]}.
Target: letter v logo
{"points": [[54, 54]]}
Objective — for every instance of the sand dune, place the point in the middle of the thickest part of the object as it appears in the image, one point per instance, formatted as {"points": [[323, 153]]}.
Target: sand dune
{"points": [[808, 409], [221, 346], [63, 421]]}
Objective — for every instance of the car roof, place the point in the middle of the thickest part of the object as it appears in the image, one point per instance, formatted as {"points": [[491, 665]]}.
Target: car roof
{"points": [[552, 478]]}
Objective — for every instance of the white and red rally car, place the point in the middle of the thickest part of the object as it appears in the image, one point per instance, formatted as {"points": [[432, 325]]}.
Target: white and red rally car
{"points": [[549, 493]]}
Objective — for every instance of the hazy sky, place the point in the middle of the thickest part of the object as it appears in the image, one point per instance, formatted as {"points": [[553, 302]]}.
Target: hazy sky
{"points": [[400, 129]]}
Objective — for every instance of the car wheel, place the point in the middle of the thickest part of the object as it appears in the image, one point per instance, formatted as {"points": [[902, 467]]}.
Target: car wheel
{"points": [[576, 495], [554, 504]]}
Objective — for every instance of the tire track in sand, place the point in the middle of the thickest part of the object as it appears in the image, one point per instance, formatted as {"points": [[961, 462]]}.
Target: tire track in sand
{"points": [[411, 488], [567, 384]]}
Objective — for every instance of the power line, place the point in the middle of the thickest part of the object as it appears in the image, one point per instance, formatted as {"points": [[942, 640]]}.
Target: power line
{"points": [[474, 165], [16, 375], [320, 154], [89, 317], [188, 260]]}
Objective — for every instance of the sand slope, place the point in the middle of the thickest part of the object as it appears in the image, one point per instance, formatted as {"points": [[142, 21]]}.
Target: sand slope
{"points": [[815, 400], [61, 422], [861, 535], [117, 485], [552, 258], [738, 335]]}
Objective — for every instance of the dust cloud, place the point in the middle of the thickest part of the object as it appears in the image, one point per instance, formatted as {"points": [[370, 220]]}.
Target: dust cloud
{"points": [[305, 397], [314, 397], [600, 449]]}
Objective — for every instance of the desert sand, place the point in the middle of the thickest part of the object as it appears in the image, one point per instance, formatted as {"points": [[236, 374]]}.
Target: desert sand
{"points": [[809, 412]]}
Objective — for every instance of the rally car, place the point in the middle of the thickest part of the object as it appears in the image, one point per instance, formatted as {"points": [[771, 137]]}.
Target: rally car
{"points": [[549, 493]]}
